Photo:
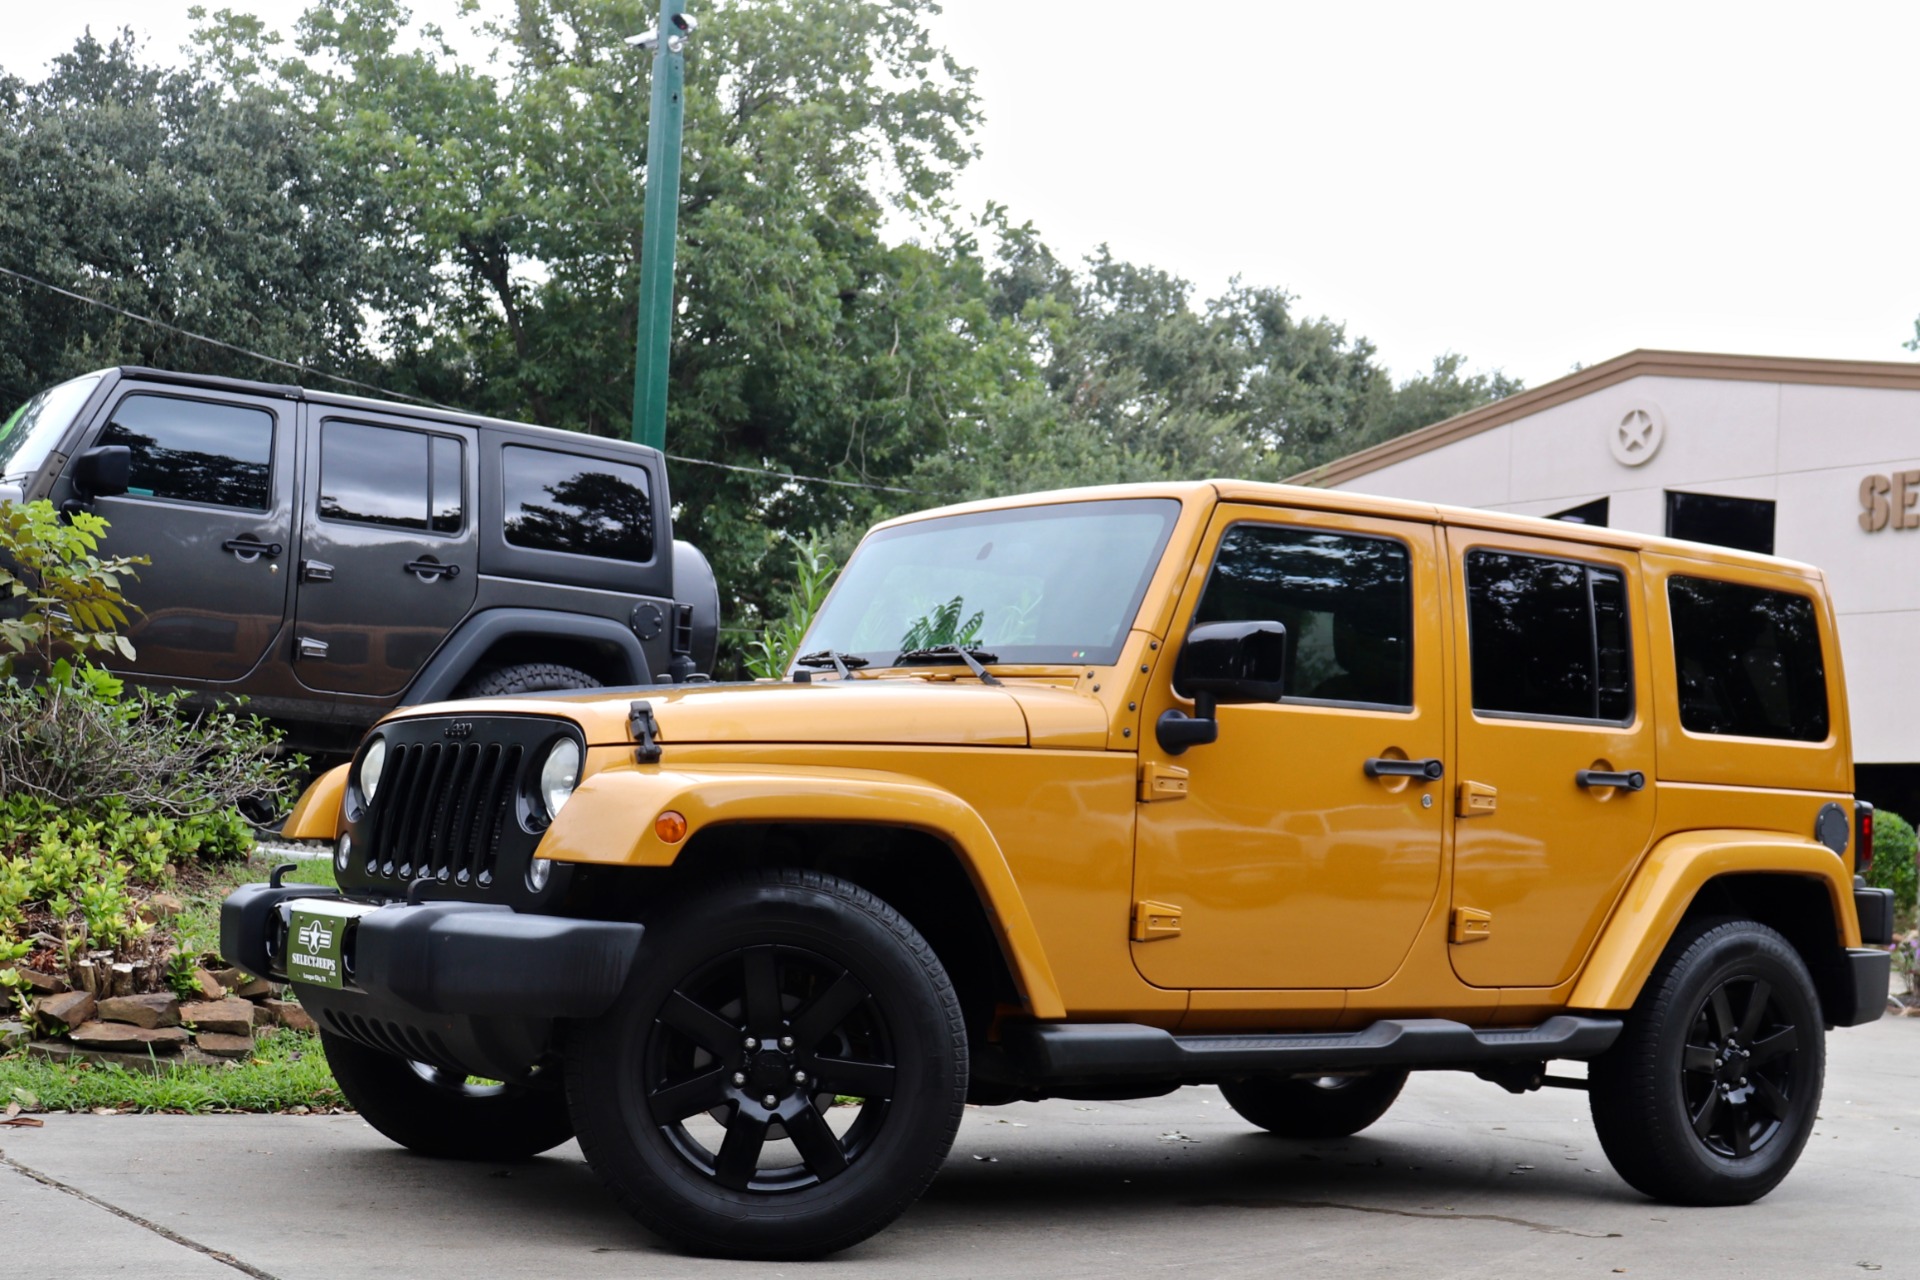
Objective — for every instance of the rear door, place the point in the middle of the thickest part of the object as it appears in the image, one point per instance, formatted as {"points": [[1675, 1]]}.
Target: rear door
{"points": [[388, 551], [210, 499], [1551, 651]]}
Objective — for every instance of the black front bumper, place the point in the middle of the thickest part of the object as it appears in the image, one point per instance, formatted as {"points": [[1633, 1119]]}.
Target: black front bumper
{"points": [[471, 986]]}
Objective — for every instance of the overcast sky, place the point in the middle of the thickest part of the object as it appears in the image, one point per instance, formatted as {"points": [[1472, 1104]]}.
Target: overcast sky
{"points": [[1535, 185]]}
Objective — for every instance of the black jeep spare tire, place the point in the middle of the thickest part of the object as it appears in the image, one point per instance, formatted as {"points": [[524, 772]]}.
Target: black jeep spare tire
{"points": [[1710, 1092], [527, 677], [706, 1098], [438, 1113]]}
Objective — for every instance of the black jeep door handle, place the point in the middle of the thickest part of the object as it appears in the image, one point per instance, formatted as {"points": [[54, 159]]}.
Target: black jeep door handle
{"points": [[433, 569], [249, 548], [1632, 780], [1383, 767]]}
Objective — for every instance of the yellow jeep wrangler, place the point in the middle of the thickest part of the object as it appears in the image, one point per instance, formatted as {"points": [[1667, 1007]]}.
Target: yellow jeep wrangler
{"points": [[1094, 794]]}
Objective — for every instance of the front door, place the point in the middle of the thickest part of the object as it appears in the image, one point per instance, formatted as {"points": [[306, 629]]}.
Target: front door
{"points": [[1288, 862], [388, 550], [210, 500], [1551, 651]]}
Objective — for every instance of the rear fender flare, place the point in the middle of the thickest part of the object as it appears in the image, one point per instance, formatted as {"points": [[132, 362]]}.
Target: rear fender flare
{"points": [[609, 821], [1668, 881]]}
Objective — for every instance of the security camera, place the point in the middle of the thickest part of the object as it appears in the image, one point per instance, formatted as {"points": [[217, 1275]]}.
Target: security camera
{"points": [[683, 25]]}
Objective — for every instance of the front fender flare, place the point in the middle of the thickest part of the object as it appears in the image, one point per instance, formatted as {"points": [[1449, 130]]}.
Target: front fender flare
{"points": [[316, 814], [609, 821], [1668, 881]]}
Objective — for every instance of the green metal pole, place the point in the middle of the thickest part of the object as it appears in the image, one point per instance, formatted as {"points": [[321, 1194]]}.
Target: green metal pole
{"points": [[654, 341]]}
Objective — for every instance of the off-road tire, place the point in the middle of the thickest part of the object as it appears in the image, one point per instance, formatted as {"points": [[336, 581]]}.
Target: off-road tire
{"points": [[1323, 1107], [528, 677], [422, 1110], [1650, 1090], [656, 1083]]}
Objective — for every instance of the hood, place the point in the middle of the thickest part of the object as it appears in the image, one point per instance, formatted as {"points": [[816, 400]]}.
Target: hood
{"points": [[904, 711]]}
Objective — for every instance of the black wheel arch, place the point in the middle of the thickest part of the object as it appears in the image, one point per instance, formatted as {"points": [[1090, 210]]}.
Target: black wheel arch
{"points": [[1800, 910], [601, 647]]}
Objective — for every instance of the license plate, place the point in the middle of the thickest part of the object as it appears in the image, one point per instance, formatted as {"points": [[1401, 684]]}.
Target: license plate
{"points": [[315, 932]]}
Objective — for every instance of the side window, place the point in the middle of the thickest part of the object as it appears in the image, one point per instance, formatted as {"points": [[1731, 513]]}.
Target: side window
{"points": [[585, 506], [195, 450], [1548, 638], [1748, 661], [1346, 601], [390, 477]]}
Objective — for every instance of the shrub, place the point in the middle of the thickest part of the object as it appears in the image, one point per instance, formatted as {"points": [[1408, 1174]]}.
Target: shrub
{"points": [[774, 649], [1894, 852], [71, 596]]}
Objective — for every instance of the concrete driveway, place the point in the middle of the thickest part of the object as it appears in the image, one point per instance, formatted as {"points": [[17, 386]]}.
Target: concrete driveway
{"points": [[1460, 1179]]}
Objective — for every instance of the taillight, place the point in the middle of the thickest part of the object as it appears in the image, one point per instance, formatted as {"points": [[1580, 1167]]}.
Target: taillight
{"points": [[1863, 839]]}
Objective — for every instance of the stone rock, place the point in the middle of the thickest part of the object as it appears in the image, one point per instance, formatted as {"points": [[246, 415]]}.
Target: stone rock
{"points": [[255, 990], [47, 984], [290, 1015], [120, 979], [231, 1017], [224, 1046], [12, 1036], [262, 1016], [69, 1010], [153, 1065], [208, 984], [156, 1010], [118, 1035], [161, 906], [231, 978]]}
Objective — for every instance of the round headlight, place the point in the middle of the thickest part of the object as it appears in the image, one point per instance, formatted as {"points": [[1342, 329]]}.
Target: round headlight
{"points": [[559, 775], [370, 766]]}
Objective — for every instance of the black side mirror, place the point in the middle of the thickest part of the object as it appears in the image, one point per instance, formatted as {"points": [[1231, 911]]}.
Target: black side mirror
{"points": [[1224, 662], [102, 472]]}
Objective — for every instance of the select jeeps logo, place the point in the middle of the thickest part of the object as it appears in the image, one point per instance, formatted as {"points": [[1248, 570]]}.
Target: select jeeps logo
{"points": [[315, 937], [315, 953], [458, 729]]}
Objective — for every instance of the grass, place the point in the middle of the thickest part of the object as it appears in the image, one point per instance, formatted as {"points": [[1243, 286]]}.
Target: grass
{"points": [[289, 1072]]}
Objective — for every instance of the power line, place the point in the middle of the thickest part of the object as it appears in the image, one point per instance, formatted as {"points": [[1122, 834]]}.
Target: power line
{"points": [[397, 395]]}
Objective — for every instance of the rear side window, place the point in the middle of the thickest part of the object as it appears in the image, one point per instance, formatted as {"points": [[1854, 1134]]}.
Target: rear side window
{"points": [[583, 506], [1345, 600], [1748, 661], [1548, 638], [195, 451], [390, 477]]}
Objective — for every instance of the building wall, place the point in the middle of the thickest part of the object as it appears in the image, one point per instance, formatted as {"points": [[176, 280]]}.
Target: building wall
{"points": [[1807, 448]]}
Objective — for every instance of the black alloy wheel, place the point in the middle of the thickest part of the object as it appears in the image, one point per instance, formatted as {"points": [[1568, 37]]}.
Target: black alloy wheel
{"points": [[1710, 1093], [1738, 1072], [782, 1076]]}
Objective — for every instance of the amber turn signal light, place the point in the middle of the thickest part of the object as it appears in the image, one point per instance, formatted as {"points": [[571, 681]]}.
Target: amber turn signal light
{"points": [[670, 827]]}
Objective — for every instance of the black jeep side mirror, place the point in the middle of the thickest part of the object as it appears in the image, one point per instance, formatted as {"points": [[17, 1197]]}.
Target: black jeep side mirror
{"points": [[103, 472], [1223, 662]]}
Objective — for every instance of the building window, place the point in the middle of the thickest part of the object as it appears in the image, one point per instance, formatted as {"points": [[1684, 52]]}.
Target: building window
{"points": [[1548, 638], [1748, 661], [1346, 601], [1593, 513], [1745, 524]]}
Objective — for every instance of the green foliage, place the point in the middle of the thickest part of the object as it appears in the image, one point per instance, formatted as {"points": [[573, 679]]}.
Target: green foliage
{"points": [[289, 1070], [942, 625], [770, 653], [68, 597], [1894, 866]]}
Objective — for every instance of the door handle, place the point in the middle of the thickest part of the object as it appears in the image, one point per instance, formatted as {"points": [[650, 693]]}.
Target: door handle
{"points": [[1631, 780], [429, 570], [246, 549], [1384, 767], [316, 571]]}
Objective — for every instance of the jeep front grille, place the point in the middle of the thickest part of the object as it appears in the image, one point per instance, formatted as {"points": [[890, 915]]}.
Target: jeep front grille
{"points": [[444, 811]]}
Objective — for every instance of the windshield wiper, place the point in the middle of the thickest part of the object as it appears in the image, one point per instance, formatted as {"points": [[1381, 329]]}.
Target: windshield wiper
{"points": [[841, 662], [973, 655]]}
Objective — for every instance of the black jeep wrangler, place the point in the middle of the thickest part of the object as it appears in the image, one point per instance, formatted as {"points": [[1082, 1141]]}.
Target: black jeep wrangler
{"points": [[331, 557]]}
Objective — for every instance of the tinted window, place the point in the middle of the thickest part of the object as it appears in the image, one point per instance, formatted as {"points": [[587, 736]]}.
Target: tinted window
{"points": [[1748, 661], [391, 477], [1548, 638], [194, 451], [1346, 602], [563, 502]]}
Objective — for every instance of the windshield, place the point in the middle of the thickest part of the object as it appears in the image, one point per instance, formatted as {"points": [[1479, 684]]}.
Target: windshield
{"points": [[36, 426], [1052, 584]]}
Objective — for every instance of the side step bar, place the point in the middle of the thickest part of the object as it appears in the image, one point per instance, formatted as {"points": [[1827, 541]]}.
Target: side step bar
{"points": [[1110, 1050]]}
